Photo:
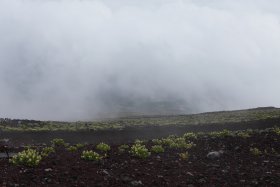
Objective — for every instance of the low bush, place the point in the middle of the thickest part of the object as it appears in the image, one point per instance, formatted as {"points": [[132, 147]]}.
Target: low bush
{"points": [[157, 149], [47, 150], [140, 151], [177, 142], [167, 141], [243, 134], [58, 142], [255, 151], [123, 148], [184, 156], [29, 157], [72, 148], [157, 141], [137, 141], [79, 145], [190, 135], [221, 134], [276, 130], [181, 144], [91, 156], [103, 147]]}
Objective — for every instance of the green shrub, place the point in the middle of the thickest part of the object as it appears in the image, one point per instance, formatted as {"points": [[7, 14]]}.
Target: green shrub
{"points": [[255, 151], [243, 134], [58, 142], [222, 134], [139, 151], [72, 148], [178, 143], [103, 147], [167, 141], [184, 156], [276, 130], [123, 147], [91, 156], [157, 149], [172, 136], [47, 150], [137, 141], [190, 135], [79, 145], [200, 134], [29, 157], [157, 141]]}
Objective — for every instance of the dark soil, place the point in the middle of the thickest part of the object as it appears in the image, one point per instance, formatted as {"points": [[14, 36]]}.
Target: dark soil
{"points": [[236, 166]]}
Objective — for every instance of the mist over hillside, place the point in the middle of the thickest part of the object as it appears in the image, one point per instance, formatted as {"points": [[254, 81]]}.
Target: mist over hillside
{"points": [[88, 59]]}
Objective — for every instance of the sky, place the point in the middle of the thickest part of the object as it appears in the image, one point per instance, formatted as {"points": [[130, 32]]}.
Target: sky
{"points": [[91, 59]]}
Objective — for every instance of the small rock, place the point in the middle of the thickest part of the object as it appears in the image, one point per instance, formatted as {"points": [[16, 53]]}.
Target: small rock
{"points": [[48, 169], [189, 173], [136, 183], [4, 142], [225, 171], [201, 181], [214, 154], [237, 148], [104, 171]]}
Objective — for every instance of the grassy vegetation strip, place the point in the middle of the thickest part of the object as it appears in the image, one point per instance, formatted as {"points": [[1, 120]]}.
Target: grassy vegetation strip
{"points": [[118, 124]]}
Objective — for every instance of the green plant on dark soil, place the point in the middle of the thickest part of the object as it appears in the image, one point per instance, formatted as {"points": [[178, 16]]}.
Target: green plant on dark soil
{"points": [[255, 151], [47, 150], [140, 151], [276, 130], [243, 134], [137, 141], [58, 142], [123, 148], [184, 156], [103, 147], [91, 156], [221, 134], [190, 135], [72, 148], [79, 145], [157, 149], [29, 157]]}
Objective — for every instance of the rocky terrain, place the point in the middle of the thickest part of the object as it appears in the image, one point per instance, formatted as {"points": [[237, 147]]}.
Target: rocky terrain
{"points": [[224, 158]]}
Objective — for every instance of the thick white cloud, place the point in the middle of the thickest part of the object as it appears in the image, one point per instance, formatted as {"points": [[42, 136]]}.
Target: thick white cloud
{"points": [[75, 59]]}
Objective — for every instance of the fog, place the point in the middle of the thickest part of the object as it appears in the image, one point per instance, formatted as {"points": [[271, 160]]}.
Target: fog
{"points": [[84, 60]]}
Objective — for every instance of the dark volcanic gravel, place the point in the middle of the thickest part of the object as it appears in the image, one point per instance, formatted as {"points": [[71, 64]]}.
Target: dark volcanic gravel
{"points": [[235, 165]]}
